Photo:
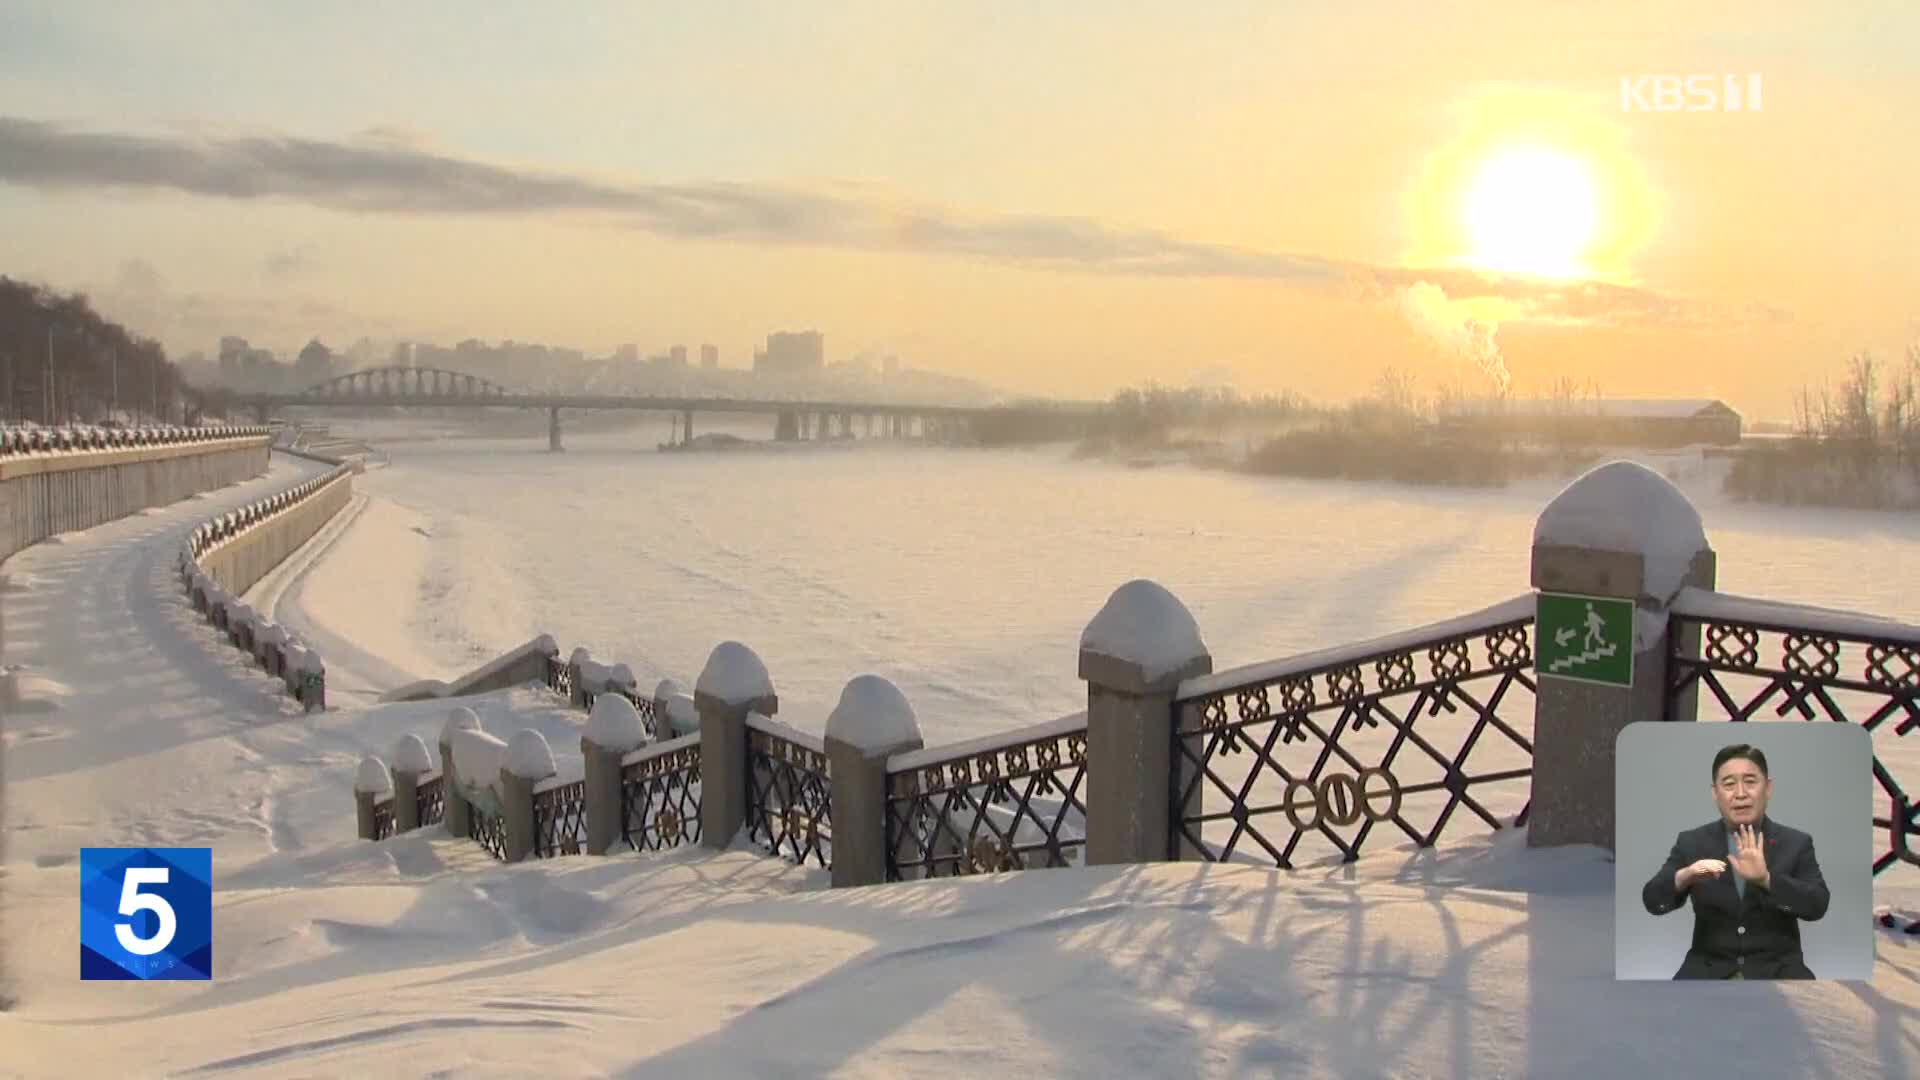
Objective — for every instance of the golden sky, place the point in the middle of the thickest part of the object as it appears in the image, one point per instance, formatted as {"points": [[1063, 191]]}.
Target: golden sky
{"points": [[1061, 198]]}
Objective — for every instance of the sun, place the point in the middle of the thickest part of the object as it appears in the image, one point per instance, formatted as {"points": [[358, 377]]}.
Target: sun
{"points": [[1530, 210]]}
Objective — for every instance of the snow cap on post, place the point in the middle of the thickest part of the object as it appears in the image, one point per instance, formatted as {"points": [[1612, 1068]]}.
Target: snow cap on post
{"points": [[665, 689], [734, 675], [622, 676], [545, 644], [529, 757], [874, 717], [579, 655], [459, 718], [614, 724], [682, 716], [1627, 509], [1143, 641], [410, 755], [372, 777]]}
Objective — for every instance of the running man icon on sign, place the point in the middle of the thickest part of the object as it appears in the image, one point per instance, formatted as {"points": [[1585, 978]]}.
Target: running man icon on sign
{"points": [[1586, 638]]}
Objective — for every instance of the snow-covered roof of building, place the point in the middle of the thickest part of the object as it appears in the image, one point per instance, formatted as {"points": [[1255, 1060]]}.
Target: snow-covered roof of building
{"points": [[1626, 408]]}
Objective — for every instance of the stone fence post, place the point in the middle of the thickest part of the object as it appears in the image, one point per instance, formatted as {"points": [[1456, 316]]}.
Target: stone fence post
{"points": [[580, 656], [529, 761], [663, 694], [613, 731], [410, 762], [1133, 656], [312, 676], [370, 784], [1620, 532], [733, 684], [872, 722], [458, 816]]}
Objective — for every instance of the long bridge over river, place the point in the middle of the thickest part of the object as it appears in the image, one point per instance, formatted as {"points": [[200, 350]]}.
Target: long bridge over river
{"points": [[794, 418]]}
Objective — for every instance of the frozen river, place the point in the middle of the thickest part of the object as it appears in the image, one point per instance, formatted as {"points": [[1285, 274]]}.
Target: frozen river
{"points": [[965, 576]]}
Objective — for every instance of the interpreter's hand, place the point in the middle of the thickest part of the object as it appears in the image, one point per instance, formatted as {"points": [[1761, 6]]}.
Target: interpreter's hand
{"points": [[1705, 868], [1749, 858]]}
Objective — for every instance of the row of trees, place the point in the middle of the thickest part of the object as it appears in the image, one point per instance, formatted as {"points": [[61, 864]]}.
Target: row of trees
{"points": [[62, 362], [1875, 412], [1150, 413]]}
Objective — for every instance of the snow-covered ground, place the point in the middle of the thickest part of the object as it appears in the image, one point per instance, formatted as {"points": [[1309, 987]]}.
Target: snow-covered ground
{"points": [[133, 724]]}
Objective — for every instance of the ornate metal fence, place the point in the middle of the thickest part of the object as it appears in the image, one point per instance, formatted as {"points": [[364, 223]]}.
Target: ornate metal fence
{"points": [[660, 795], [560, 819], [560, 677], [383, 818], [1012, 802], [1739, 659], [430, 800], [489, 830], [789, 803], [1405, 730]]}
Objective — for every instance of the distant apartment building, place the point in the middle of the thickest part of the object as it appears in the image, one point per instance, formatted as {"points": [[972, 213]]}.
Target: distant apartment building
{"points": [[709, 356], [627, 354], [314, 364], [788, 353], [677, 356], [243, 367]]}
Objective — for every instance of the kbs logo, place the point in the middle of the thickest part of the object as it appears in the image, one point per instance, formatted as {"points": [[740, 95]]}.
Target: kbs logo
{"points": [[146, 913], [1690, 93]]}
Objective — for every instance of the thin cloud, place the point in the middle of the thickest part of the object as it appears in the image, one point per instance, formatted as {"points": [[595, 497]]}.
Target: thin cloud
{"points": [[286, 264], [387, 169]]}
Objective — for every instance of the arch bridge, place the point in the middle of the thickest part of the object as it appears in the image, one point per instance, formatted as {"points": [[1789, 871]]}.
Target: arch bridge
{"points": [[794, 419], [411, 385]]}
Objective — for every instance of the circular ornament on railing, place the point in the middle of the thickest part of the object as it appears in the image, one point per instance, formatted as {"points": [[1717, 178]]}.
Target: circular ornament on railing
{"points": [[671, 828], [991, 855]]}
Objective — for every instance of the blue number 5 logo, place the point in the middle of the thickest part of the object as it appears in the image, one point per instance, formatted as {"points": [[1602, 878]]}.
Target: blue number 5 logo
{"points": [[146, 913], [133, 902]]}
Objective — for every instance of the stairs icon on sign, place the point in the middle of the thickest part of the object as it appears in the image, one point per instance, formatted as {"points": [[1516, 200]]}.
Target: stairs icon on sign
{"points": [[1586, 657]]}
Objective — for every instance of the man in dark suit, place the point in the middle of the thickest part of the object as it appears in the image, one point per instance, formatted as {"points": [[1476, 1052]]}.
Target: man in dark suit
{"points": [[1751, 880]]}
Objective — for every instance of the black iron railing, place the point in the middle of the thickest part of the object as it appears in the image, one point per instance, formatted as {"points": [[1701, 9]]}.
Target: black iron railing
{"points": [[1405, 734], [1016, 806], [489, 830], [660, 796], [430, 800], [560, 677], [560, 820], [1736, 659], [789, 795]]}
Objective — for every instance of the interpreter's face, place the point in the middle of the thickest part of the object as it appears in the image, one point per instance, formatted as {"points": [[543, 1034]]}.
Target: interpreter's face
{"points": [[1741, 790]]}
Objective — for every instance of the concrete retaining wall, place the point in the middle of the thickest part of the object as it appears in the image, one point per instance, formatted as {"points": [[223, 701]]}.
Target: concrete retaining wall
{"points": [[243, 560], [46, 496]]}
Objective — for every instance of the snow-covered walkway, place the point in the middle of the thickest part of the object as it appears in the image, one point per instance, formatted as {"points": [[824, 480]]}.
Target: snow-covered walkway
{"points": [[420, 956]]}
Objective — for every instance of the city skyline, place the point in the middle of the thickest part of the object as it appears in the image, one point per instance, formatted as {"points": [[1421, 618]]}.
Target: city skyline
{"points": [[1063, 202]]}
